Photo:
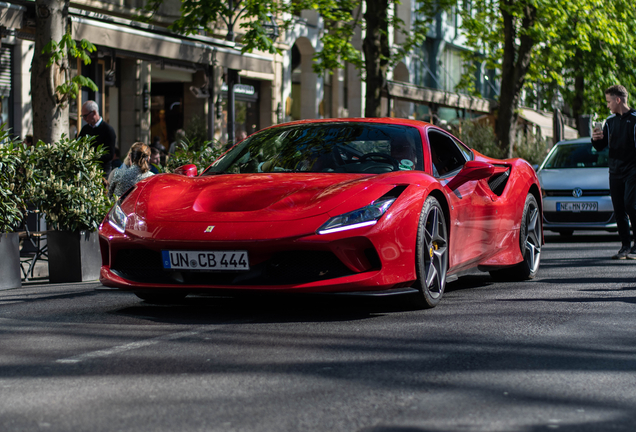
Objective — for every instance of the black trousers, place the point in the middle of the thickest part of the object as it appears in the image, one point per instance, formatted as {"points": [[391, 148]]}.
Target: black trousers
{"points": [[623, 193]]}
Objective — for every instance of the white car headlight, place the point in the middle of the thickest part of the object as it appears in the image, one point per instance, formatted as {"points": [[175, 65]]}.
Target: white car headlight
{"points": [[365, 216], [117, 218]]}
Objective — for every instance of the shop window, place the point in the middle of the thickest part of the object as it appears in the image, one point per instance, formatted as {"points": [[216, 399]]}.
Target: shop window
{"points": [[166, 112], [246, 109]]}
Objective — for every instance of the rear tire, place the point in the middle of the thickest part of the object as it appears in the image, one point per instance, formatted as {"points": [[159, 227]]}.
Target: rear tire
{"points": [[530, 245], [431, 256]]}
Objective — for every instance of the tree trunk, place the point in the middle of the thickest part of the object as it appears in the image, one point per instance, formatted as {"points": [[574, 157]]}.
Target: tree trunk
{"points": [[50, 118], [376, 55], [579, 94], [516, 61]]}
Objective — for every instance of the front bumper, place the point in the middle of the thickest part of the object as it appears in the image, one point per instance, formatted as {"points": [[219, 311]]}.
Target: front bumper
{"points": [[378, 257]]}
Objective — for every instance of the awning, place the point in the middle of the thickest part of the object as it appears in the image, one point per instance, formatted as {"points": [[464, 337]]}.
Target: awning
{"points": [[145, 42], [11, 15], [544, 121], [425, 95]]}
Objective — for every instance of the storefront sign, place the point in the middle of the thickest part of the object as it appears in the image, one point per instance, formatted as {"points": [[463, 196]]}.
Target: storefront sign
{"points": [[242, 89]]}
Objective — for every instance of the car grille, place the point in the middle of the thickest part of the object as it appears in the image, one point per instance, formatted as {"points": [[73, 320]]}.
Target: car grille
{"points": [[582, 217], [283, 268], [568, 192]]}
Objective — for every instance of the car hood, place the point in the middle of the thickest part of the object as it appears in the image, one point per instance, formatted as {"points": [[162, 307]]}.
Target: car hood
{"points": [[570, 178], [253, 197]]}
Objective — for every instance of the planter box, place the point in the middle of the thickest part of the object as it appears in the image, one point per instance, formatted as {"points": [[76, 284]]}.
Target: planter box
{"points": [[10, 273], [73, 256]]}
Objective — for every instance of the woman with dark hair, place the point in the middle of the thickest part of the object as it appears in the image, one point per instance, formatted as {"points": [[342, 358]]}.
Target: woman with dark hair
{"points": [[125, 178]]}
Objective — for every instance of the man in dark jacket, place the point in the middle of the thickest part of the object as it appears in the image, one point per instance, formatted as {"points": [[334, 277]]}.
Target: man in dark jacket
{"points": [[619, 133], [102, 131]]}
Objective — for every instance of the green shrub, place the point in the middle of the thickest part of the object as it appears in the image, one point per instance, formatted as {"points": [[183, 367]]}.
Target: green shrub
{"points": [[196, 130], [480, 137], [533, 150], [16, 181], [71, 192], [199, 153]]}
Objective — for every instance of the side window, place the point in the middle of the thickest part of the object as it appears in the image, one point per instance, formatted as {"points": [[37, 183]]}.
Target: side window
{"points": [[464, 150], [448, 156]]}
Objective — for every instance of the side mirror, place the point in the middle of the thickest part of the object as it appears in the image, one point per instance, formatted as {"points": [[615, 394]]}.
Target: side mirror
{"points": [[189, 170], [472, 170]]}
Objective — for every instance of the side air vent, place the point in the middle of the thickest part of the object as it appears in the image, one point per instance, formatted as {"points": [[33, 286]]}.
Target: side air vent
{"points": [[497, 183]]}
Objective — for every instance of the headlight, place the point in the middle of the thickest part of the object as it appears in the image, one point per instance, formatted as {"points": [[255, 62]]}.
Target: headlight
{"points": [[366, 216], [117, 218]]}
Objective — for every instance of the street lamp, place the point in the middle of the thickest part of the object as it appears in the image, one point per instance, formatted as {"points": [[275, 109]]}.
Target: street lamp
{"points": [[271, 28]]}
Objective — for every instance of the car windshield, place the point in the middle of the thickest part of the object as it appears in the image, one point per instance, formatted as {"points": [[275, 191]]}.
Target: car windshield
{"points": [[325, 147], [577, 156]]}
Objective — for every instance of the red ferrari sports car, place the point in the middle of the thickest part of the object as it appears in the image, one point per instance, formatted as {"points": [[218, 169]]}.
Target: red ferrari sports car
{"points": [[375, 206]]}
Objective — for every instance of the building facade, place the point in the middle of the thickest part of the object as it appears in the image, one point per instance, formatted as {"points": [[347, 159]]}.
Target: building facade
{"points": [[152, 82]]}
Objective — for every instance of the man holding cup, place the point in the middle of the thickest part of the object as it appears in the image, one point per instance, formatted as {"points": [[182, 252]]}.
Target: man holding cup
{"points": [[619, 133]]}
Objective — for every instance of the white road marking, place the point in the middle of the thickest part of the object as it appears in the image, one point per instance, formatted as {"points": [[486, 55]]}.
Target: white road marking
{"points": [[134, 345]]}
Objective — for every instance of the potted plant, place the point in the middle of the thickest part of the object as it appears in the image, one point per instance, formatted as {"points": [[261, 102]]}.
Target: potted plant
{"points": [[15, 177], [72, 196]]}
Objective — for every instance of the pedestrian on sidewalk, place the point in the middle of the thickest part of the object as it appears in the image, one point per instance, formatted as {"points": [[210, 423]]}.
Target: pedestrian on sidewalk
{"points": [[619, 133], [102, 131], [124, 178]]}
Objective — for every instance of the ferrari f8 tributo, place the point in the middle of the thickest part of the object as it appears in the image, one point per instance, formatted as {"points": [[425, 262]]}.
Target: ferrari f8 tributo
{"points": [[340, 205]]}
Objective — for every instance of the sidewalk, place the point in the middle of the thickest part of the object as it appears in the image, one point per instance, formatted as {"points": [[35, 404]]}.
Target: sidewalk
{"points": [[40, 272], [41, 278]]}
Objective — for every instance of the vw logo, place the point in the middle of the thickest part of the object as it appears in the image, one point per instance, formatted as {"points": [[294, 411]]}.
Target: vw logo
{"points": [[577, 192]]}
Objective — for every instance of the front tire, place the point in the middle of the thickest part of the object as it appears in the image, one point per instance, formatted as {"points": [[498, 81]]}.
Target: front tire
{"points": [[431, 258], [530, 245]]}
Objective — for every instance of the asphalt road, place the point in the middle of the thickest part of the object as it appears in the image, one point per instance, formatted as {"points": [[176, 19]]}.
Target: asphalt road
{"points": [[558, 352]]}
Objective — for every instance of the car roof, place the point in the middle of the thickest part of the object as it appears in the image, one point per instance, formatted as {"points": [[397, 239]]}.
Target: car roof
{"points": [[381, 120], [582, 140]]}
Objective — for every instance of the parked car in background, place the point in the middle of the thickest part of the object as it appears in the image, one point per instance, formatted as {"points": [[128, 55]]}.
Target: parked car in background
{"points": [[574, 181]]}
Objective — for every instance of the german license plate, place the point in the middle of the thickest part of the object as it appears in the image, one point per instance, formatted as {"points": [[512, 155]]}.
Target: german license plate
{"points": [[577, 206], [205, 260]]}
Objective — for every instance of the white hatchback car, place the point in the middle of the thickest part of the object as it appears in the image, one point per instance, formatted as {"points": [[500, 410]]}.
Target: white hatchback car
{"points": [[575, 187]]}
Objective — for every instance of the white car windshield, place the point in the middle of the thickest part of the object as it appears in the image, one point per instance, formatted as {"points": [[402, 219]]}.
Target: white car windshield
{"points": [[576, 156]]}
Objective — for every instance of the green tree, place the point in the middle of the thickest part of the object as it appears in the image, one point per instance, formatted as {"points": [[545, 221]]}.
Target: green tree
{"points": [[51, 83], [506, 35], [50, 117], [342, 19], [196, 15], [595, 50], [576, 46]]}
